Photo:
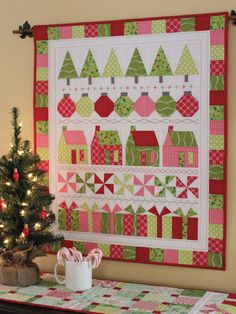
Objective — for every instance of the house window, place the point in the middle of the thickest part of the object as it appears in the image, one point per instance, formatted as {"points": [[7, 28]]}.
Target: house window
{"points": [[153, 157], [81, 155], [181, 159], [116, 156], [143, 158], [190, 158]]}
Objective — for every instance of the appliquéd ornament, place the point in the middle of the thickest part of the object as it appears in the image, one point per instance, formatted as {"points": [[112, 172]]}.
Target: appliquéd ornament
{"points": [[16, 175], [26, 231], [44, 214]]}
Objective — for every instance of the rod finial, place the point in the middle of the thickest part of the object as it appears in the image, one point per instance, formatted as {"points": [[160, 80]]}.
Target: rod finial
{"points": [[233, 15], [24, 30]]}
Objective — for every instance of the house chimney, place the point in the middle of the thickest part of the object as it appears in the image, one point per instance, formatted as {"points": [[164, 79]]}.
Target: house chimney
{"points": [[97, 128], [133, 128], [170, 128], [64, 128]]}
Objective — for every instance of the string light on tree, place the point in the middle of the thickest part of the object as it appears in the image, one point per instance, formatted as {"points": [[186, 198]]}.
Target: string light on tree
{"points": [[8, 183], [29, 192], [22, 212], [37, 226]]}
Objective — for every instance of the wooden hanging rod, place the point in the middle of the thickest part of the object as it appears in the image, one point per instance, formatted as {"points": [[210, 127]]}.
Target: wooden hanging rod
{"points": [[26, 30]]}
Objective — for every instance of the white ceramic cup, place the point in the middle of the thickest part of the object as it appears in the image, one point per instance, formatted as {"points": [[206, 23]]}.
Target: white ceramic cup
{"points": [[78, 276]]}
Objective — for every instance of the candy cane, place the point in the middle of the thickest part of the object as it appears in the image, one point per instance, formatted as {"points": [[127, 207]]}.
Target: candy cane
{"points": [[77, 256]]}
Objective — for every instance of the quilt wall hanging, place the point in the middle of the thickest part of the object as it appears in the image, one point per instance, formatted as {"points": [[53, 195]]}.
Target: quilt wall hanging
{"points": [[130, 124]]}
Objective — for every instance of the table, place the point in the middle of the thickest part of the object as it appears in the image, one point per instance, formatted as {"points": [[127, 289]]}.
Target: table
{"points": [[112, 298]]}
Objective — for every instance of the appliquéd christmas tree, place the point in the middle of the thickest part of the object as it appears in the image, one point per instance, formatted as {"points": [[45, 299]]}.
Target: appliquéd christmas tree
{"points": [[25, 214], [68, 70]]}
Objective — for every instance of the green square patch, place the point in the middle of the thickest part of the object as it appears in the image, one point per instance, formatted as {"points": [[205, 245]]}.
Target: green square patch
{"points": [[217, 22], [129, 252], [78, 31], [185, 257], [193, 293], [53, 33], [159, 26], [216, 201], [187, 24], [41, 47], [215, 260], [217, 112], [216, 231], [216, 172], [105, 248], [217, 52], [41, 127], [80, 246], [217, 82], [156, 255], [41, 101], [131, 28], [41, 74], [216, 142], [104, 30]]}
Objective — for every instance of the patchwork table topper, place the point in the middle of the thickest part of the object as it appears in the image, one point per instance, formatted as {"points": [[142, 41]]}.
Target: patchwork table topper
{"points": [[130, 124], [113, 297]]}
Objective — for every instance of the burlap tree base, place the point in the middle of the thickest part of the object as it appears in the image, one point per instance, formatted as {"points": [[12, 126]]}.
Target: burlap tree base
{"points": [[17, 268], [19, 275]]}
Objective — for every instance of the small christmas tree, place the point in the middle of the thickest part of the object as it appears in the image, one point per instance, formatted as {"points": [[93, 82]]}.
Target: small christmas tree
{"points": [[25, 215]]}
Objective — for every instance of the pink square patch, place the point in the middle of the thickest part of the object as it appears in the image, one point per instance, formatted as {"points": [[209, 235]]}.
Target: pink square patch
{"points": [[66, 32], [90, 246], [42, 61], [216, 216], [144, 27], [217, 37], [145, 305], [171, 256]]}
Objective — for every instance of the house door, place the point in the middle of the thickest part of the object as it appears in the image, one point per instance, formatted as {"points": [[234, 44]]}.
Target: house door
{"points": [[181, 159], [107, 157], [73, 157]]}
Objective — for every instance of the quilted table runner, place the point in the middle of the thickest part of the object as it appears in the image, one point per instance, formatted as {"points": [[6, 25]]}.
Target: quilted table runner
{"points": [[130, 124], [112, 297]]}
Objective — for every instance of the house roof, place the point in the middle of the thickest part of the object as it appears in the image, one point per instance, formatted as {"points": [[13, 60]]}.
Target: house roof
{"points": [[74, 137], [108, 137], [183, 138], [145, 138]]}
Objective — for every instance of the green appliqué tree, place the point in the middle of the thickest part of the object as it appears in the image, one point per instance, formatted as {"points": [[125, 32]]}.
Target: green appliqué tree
{"points": [[161, 66], [25, 214], [186, 65], [89, 69], [67, 69], [136, 67], [112, 68]]}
